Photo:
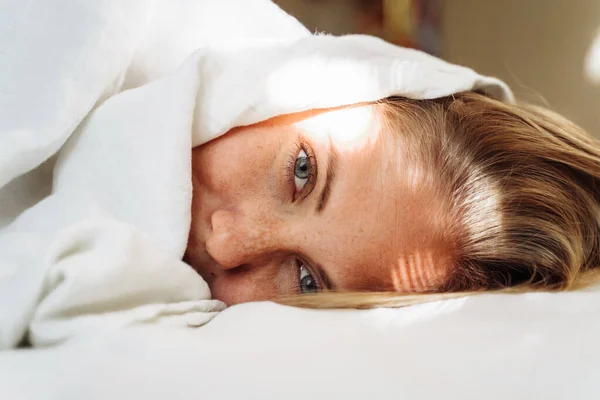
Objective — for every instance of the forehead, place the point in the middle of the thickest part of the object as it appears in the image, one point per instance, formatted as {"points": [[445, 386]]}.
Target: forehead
{"points": [[349, 129], [383, 227]]}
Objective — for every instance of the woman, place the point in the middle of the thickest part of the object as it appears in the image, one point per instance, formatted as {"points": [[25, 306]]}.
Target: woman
{"points": [[463, 193]]}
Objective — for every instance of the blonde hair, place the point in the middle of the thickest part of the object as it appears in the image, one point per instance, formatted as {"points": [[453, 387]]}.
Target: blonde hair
{"points": [[523, 187]]}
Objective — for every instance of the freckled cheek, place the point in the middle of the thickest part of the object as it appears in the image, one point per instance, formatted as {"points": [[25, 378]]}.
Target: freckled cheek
{"points": [[235, 292], [255, 285], [234, 168]]}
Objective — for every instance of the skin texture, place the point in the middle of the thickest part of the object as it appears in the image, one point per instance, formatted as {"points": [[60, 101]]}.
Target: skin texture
{"points": [[257, 230]]}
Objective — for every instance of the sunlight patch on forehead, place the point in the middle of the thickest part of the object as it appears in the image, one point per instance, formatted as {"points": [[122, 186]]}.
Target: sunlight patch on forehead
{"points": [[348, 129]]}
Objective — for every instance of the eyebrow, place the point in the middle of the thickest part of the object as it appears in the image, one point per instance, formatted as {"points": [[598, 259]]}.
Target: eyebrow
{"points": [[323, 277], [332, 167]]}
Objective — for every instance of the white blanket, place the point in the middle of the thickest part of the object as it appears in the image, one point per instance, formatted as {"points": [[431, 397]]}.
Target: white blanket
{"points": [[95, 187]]}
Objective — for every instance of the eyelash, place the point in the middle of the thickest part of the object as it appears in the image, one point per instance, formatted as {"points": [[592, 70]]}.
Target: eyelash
{"points": [[298, 262], [290, 164]]}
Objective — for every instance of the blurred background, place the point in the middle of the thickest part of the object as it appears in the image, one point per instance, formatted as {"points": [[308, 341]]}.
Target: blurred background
{"points": [[547, 50]]}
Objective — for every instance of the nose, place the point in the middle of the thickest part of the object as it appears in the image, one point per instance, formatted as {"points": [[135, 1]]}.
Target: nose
{"points": [[240, 239]]}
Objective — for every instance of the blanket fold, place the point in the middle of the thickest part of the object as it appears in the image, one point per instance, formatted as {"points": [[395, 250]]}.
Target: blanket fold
{"points": [[102, 249]]}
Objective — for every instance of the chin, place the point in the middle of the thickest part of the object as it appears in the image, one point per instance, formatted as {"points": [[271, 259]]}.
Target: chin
{"points": [[217, 293]]}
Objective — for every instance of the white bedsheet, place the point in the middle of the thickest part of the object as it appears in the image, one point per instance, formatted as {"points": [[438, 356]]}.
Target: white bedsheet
{"points": [[535, 346]]}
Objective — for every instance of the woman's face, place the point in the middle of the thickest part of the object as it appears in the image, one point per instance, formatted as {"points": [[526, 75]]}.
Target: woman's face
{"points": [[313, 201]]}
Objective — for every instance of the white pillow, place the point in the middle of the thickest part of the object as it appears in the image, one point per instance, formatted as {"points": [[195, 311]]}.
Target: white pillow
{"points": [[542, 346]]}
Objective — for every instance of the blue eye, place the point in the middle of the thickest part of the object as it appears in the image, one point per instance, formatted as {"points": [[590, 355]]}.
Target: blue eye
{"points": [[307, 282], [301, 170]]}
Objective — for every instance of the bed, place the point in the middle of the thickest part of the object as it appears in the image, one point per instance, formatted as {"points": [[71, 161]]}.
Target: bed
{"points": [[537, 345]]}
